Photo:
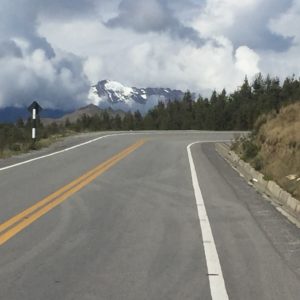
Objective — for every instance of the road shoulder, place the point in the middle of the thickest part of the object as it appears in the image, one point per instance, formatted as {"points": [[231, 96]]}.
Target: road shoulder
{"points": [[259, 249]]}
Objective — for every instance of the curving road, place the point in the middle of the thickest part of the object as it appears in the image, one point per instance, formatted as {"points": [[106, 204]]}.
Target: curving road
{"points": [[138, 216]]}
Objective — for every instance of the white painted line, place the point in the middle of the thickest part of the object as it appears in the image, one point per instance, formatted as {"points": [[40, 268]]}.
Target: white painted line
{"points": [[33, 133], [92, 141], [216, 280], [34, 114], [61, 151]]}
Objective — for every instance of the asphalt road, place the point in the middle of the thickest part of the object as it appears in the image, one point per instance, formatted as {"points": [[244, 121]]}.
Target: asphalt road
{"points": [[124, 224]]}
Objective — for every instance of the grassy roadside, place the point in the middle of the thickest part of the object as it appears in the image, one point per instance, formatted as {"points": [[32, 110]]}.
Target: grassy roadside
{"points": [[25, 147], [273, 148]]}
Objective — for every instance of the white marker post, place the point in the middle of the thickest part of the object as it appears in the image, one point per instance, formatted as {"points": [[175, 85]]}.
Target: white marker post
{"points": [[34, 109], [34, 124]]}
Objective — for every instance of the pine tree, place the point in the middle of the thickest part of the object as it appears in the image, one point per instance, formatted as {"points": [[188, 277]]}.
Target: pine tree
{"points": [[138, 121], [117, 122]]}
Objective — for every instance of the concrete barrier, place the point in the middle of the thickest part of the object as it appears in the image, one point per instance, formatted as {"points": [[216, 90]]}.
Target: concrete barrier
{"points": [[271, 188]]}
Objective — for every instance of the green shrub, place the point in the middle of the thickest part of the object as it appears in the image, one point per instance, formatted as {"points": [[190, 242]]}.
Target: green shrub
{"points": [[250, 149], [16, 147], [258, 163]]}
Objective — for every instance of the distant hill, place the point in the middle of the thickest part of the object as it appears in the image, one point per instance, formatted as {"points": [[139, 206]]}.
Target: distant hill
{"points": [[12, 114], [89, 110]]}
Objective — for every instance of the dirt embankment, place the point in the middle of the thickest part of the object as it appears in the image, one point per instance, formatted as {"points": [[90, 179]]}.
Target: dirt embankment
{"points": [[274, 148]]}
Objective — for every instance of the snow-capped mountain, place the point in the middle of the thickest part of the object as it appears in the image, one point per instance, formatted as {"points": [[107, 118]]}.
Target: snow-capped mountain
{"points": [[112, 94]]}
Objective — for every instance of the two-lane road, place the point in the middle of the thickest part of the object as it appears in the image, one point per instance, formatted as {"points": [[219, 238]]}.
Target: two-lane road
{"points": [[135, 216]]}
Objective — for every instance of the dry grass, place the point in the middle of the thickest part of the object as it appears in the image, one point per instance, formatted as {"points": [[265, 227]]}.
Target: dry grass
{"points": [[42, 143], [279, 142]]}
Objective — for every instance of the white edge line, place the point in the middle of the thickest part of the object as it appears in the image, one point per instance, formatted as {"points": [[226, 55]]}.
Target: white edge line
{"points": [[80, 145], [62, 151], [215, 274], [73, 147]]}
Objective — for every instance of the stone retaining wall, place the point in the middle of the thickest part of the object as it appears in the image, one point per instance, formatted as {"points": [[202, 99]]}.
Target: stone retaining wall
{"points": [[270, 188]]}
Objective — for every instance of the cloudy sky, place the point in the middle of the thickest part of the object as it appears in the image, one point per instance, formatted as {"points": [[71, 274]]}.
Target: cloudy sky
{"points": [[53, 50]]}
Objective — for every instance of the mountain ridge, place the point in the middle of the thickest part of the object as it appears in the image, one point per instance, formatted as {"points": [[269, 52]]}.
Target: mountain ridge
{"points": [[112, 94], [106, 94]]}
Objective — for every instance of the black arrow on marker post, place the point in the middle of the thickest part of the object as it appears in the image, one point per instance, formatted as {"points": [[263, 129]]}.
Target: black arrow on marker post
{"points": [[34, 109]]}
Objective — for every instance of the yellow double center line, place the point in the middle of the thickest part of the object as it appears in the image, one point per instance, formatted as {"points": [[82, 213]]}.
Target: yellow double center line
{"points": [[22, 220]]}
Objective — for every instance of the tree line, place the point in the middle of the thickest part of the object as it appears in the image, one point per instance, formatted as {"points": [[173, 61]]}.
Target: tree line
{"points": [[236, 111], [221, 111]]}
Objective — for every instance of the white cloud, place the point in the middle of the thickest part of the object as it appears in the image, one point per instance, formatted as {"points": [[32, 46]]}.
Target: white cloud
{"points": [[219, 15], [288, 23], [93, 67], [244, 22], [55, 83], [247, 61], [285, 63], [152, 59], [57, 56]]}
